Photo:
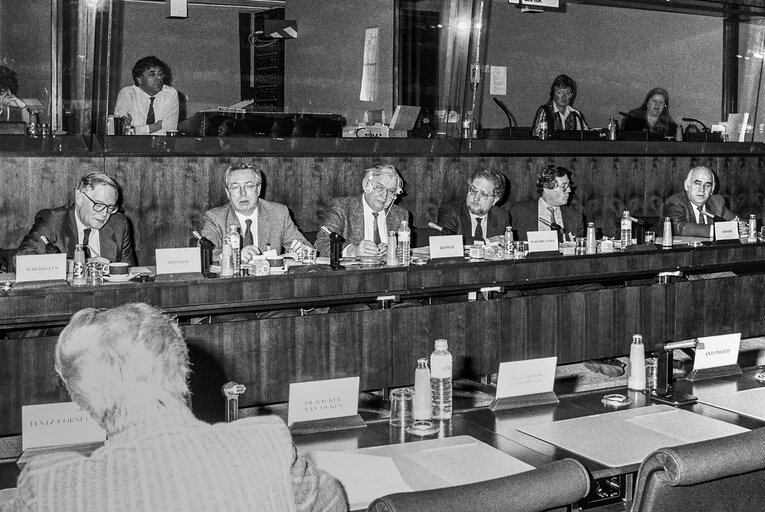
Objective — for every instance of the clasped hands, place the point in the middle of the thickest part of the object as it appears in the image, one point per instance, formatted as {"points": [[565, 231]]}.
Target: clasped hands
{"points": [[250, 251], [368, 248]]}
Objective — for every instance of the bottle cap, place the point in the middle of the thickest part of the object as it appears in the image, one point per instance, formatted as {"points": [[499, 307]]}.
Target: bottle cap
{"points": [[441, 344], [422, 360], [637, 338]]}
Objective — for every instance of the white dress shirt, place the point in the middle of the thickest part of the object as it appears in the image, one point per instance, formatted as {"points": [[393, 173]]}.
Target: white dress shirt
{"points": [[134, 101]]}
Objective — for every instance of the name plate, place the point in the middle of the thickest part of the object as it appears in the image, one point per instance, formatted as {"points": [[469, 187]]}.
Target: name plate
{"points": [[448, 246], [323, 399], [714, 351], [520, 378], [726, 230], [543, 241], [40, 267], [58, 424], [537, 3], [180, 260]]}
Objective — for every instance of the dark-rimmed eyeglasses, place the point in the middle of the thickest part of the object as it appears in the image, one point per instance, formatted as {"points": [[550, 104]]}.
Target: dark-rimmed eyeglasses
{"points": [[98, 206]]}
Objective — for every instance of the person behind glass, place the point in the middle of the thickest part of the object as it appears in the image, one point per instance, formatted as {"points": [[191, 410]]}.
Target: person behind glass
{"points": [[93, 221], [9, 88], [150, 105], [653, 117], [128, 367], [261, 223], [694, 211], [363, 221], [477, 217], [558, 112], [551, 211]]}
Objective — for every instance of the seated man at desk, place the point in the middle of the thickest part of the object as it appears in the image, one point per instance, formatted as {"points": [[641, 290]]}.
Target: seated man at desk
{"points": [[477, 217], [693, 212], [365, 220], [129, 368], [150, 106], [93, 221], [551, 210], [262, 223], [558, 112], [9, 88]]}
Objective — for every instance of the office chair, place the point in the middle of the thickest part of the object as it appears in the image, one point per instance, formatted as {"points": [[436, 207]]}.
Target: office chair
{"points": [[719, 474], [557, 484]]}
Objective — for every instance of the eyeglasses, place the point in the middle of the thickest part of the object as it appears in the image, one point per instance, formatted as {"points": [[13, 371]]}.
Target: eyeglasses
{"points": [[247, 188], [388, 192], [564, 186], [99, 206], [478, 192]]}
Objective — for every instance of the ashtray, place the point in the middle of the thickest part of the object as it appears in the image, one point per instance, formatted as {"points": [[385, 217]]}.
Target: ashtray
{"points": [[616, 400], [760, 376], [369, 260], [422, 428]]}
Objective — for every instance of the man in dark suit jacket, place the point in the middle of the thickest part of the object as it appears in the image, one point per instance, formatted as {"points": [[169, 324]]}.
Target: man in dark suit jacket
{"points": [[693, 212], [478, 216], [554, 188], [92, 221], [365, 220]]}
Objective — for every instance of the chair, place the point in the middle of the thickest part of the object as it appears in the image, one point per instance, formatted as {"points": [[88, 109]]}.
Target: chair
{"points": [[13, 128], [719, 474], [557, 484]]}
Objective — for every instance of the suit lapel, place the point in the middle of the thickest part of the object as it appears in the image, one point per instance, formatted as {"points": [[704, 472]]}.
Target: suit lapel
{"points": [[467, 225], [356, 220], [70, 232], [264, 222]]}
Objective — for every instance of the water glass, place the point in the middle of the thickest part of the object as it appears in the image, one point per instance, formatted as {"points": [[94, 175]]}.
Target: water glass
{"points": [[94, 273], [401, 407], [520, 250], [650, 237], [581, 246], [651, 367], [309, 256]]}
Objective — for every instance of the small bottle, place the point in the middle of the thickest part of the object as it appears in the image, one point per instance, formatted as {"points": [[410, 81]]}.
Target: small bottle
{"points": [[78, 273], [441, 380], [49, 247], [508, 240], [636, 381], [33, 128], [235, 239], [543, 126], [626, 225], [752, 234], [226, 270], [592, 242], [612, 129], [666, 240], [390, 256], [403, 247], [423, 402]]}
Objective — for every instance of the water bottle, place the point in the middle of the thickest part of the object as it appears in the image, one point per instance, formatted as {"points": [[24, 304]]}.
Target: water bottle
{"points": [[390, 257], [752, 234], [441, 381], [235, 239], [78, 272], [543, 126], [592, 242], [666, 240], [636, 381], [612, 129], [509, 242], [403, 248], [423, 404], [226, 270], [626, 230]]}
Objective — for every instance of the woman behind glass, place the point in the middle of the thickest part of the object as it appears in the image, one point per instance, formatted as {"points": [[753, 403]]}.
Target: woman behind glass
{"points": [[653, 116], [558, 111], [9, 87]]}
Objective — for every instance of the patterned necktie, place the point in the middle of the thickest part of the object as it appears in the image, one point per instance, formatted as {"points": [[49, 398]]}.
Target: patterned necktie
{"points": [[478, 229], [150, 115], [85, 241], [702, 217], [375, 229], [248, 233]]}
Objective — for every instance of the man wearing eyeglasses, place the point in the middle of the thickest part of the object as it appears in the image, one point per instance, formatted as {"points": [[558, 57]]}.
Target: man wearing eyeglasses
{"points": [[477, 217], [93, 221], [694, 212], [262, 223], [551, 210], [365, 220]]}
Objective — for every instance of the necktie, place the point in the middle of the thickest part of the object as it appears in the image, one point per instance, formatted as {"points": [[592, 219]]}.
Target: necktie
{"points": [[478, 229], [248, 233], [702, 217], [85, 240], [553, 223], [375, 229], [150, 115]]}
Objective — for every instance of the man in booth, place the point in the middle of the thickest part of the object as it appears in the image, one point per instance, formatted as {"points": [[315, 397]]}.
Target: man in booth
{"points": [[150, 105]]}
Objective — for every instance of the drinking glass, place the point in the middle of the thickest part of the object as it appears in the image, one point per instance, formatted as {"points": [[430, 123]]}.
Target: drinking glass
{"points": [[401, 407]]}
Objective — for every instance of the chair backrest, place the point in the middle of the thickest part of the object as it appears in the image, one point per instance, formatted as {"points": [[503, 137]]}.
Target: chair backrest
{"points": [[720, 474], [557, 484], [13, 128]]}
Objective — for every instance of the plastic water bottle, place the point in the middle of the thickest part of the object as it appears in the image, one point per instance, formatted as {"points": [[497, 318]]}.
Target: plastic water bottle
{"points": [[636, 381], [543, 126], [391, 257], [666, 240], [626, 230], [423, 402], [441, 380], [78, 272], [752, 234], [612, 129], [403, 248], [235, 239], [226, 270], [508, 242]]}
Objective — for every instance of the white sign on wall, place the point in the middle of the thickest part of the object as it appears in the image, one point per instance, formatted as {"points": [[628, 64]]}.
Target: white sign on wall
{"points": [[536, 3]]}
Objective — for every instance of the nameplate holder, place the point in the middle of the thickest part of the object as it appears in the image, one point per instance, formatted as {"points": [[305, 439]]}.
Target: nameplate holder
{"points": [[40, 267], [324, 405], [525, 383], [716, 356], [58, 424], [543, 241], [179, 260], [727, 230], [448, 246]]}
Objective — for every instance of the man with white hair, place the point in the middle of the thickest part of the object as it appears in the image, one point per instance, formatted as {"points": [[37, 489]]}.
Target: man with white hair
{"points": [[128, 367], [694, 211]]}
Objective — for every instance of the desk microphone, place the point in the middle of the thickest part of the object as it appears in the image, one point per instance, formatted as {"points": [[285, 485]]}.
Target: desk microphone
{"points": [[623, 114], [440, 228], [637, 221]]}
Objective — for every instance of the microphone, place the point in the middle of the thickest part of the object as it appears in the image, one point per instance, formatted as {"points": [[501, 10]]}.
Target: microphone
{"points": [[623, 114], [637, 221], [715, 218], [442, 229], [510, 117]]}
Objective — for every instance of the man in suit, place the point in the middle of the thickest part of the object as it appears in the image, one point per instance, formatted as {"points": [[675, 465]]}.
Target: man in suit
{"points": [[365, 220], [693, 212], [128, 367], [477, 217], [262, 223], [551, 210], [92, 221]]}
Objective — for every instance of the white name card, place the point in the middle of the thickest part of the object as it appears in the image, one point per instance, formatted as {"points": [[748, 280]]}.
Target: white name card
{"points": [[543, 241], [448, 246], [322, 399], [726, 230], [714, 351], [58, 424], [520, 378], [538, 3], [40, 267], [180, 260]]}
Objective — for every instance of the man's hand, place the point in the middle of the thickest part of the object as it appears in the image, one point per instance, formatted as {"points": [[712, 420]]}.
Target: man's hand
{"points": [[249, 252], [497, 238], [297, 246], [367, 248]]}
